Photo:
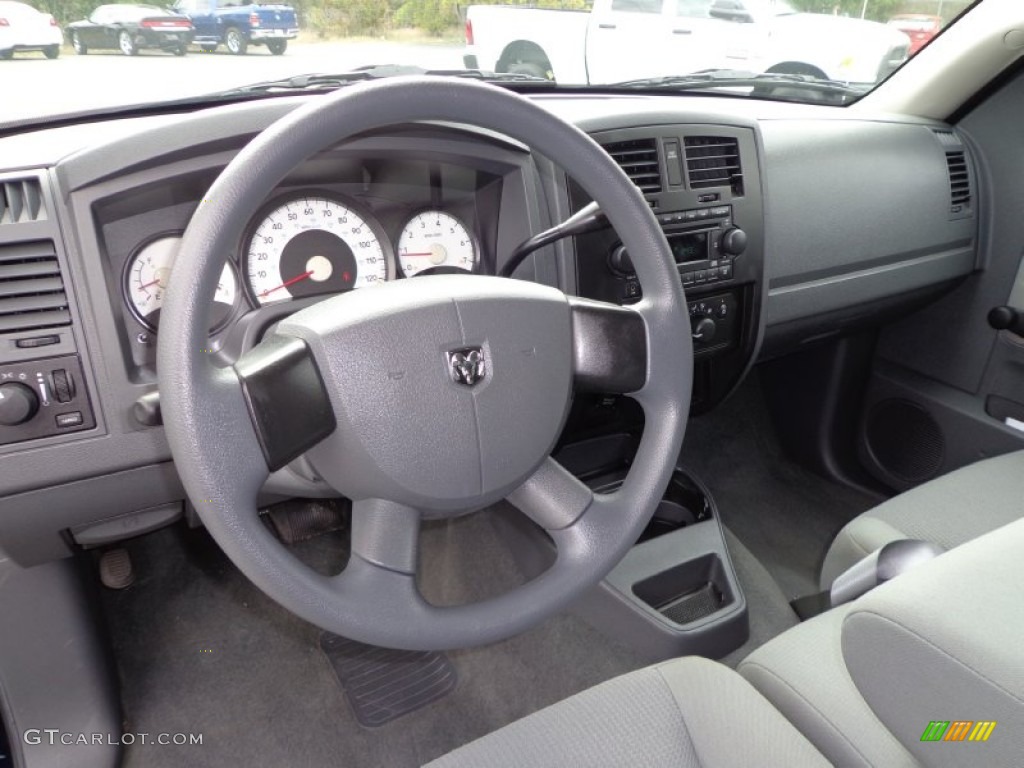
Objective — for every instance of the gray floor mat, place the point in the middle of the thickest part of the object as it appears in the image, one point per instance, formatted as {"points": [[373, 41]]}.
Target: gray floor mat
{"points": [[787, 516], [383, 684], [265, 694]]}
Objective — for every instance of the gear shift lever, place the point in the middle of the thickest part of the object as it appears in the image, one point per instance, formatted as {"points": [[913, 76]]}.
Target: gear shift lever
{"points": [[1007, 319]]}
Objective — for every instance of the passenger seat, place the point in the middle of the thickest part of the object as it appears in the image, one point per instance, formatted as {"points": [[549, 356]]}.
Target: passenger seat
{"points": [[948, 511]]}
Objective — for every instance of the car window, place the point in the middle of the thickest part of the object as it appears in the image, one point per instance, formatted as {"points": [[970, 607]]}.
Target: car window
{"points": [[852, 44], [694, 9], [637, 6]]}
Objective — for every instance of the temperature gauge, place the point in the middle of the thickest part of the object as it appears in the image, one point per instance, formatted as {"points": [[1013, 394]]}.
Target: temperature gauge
{"points": [[146, 278]]}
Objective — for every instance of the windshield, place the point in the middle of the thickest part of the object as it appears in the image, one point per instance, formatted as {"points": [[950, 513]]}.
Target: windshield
{"points": [[79, 56]]}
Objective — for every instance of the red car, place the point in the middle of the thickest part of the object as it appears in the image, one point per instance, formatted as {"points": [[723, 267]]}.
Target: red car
{"points": [[920, 28]]}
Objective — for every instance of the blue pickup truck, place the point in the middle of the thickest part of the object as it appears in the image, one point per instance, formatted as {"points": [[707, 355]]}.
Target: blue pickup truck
{"points": [[239, 26]]}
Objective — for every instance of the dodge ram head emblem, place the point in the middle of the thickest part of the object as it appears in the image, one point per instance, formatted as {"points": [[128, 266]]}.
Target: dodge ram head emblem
{"points": [[467, 366]]}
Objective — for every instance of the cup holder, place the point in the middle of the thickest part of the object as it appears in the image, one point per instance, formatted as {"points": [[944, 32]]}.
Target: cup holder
{"points": [[685, 502], [688, 592]]}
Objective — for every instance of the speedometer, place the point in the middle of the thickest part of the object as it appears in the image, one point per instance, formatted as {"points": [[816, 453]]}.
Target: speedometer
{"points": [[314, 245]]}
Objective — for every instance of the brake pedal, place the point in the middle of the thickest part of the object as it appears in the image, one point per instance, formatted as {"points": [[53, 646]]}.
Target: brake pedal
{"points": [[116, 571]]}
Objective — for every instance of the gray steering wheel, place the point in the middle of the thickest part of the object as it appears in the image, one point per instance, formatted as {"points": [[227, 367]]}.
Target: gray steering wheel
{"points": [[426, 397]]}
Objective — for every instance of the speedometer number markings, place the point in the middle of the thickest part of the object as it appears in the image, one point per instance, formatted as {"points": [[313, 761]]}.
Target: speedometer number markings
{"points": [[311, 246]]}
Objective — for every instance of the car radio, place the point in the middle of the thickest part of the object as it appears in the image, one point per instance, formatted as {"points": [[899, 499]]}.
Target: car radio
{"points": [[703, 241]]}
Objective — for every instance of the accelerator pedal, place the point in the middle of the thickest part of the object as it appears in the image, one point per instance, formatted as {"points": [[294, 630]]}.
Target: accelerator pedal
{"points": [[297, 520]]}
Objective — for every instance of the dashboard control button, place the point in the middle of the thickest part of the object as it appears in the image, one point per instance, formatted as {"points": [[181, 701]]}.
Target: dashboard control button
{"points": [[703, 213], [631, 290], [37, 341], [63, 386], [72, 419], [18, 404], [701, 276], [725, 271]]}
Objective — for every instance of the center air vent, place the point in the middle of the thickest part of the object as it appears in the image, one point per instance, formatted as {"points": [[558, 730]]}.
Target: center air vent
{"points": [[713, 161], [21, 200], [31, 289], [639, 159], [959, 182]]}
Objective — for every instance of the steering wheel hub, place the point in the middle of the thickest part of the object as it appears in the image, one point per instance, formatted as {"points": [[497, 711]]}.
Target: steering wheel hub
{"points": [[448, 391]]}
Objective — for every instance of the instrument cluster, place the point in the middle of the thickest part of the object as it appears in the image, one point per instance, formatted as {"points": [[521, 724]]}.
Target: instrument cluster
{"points": [[308, 244]]}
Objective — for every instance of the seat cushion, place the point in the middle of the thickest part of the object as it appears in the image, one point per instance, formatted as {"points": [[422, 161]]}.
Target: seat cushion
{"points": [[947, 511], [681, 713], [802, 673], [942, 644]]}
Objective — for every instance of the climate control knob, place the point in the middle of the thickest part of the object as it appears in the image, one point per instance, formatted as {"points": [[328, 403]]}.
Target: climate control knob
{"points": [[734, 241], [704, 330], [620, 262], [18, 404]]}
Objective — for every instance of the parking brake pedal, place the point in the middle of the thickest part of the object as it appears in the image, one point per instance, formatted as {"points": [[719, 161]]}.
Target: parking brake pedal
{"points": [[116, 571]]}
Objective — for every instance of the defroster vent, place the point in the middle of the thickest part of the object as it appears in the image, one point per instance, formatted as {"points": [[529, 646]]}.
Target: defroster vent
{"points": [[639, 159], [31, 288], [21, 200], [713, 161]]}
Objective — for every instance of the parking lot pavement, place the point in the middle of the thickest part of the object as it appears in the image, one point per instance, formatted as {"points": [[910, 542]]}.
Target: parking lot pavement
{"points": [[33, 85]]}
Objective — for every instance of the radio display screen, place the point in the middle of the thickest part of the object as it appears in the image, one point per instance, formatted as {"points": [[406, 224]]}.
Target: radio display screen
{"points": [[689, 246]]}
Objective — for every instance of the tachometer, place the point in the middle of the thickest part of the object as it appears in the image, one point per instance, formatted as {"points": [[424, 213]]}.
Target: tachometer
{"points": [[312, 245], [146, 277], [435, 239]]}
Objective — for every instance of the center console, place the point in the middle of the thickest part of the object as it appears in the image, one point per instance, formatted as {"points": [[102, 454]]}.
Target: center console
{"points": [[703, 184], [676, 591]]}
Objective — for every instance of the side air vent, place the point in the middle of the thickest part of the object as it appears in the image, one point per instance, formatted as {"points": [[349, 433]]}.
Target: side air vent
{"points": [[959, 182], [31, 289], [713, 161], [21, 200], [639, 159]]}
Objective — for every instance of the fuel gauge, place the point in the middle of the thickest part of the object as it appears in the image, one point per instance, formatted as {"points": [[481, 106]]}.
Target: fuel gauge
{"points": [[148, 273]]}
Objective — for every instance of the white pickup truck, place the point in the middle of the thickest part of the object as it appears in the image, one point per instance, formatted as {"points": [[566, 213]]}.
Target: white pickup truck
{"points": [[629, 39]]}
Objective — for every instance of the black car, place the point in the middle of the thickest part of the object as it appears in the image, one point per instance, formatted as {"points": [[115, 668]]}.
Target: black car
{"points": [[131, 28]]}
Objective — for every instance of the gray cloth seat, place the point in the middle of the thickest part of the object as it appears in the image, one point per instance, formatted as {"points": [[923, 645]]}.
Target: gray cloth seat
{"points": [[939, 643], [947, 511], [879, 682], [681, 713]]}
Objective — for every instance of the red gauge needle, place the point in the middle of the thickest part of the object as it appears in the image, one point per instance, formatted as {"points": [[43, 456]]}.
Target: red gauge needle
{"points": [[286, 283], [418, 254], [151, 282]]}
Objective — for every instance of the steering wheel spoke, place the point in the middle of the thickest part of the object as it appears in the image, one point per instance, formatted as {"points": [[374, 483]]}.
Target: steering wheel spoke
{"points": [[287, 401], [386, 534], [552, 497], [609, 347]]}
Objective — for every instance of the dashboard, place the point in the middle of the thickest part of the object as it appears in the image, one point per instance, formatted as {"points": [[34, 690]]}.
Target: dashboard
{"points": [[788, 223]]}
